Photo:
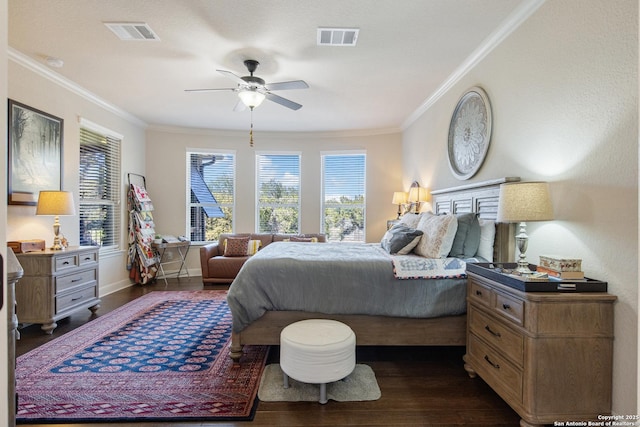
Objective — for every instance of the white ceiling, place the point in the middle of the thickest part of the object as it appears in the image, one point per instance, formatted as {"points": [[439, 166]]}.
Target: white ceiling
{"points": [[406, 51]]}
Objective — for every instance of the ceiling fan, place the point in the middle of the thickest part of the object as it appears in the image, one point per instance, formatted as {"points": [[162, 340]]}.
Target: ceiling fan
{"points": [[253, 90]]}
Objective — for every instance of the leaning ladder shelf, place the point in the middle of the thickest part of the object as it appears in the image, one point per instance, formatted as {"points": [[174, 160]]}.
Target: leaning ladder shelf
{"points": [[142, 260]]}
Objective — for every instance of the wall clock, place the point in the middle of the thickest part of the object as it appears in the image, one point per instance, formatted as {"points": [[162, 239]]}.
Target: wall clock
{"points": [[469, 133]]}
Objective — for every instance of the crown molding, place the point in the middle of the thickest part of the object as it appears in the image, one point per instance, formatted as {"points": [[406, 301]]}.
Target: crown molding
{"points": [[513, 21], [38, 68]]}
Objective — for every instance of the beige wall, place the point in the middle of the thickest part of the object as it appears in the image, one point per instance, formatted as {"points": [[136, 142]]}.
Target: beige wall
{"points": [[166, 174], [564, 90], [4, 360], [35, 87]]}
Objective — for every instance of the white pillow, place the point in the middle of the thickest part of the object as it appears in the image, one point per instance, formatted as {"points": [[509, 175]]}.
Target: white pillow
{"points": [[439, 232], [487, 236], [410, 220]]}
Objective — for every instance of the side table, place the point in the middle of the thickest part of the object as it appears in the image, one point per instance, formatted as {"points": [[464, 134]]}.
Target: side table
{"points": [[181, 249]]}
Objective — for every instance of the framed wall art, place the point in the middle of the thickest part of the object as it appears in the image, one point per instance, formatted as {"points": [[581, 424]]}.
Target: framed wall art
{"points": [[469, 133], [35, 153]]}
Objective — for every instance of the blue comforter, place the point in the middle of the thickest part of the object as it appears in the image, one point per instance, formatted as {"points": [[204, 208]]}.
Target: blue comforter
{"points": [[336, 278]]}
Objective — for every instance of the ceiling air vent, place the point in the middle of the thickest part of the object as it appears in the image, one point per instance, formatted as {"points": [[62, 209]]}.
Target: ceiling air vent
{"points": [[132, 31], [337, 36]]}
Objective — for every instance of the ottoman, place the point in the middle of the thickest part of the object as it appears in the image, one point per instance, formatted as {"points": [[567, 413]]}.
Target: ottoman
{"points": [[317, 351]]}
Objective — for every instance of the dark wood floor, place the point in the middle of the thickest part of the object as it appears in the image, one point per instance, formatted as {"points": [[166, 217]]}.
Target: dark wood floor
{"points": [[421, 386]]}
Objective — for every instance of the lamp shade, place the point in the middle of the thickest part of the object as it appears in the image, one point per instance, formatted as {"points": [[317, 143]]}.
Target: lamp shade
{"points": [[55, 203], [399, 198], [251, 97], [524, 201], [417, 194]]}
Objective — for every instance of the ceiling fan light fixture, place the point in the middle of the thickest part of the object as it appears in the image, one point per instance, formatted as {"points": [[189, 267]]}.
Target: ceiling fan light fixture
{"points": [[251, 97]]}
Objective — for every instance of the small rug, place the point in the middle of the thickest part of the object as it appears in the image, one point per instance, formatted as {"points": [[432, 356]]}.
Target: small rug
{"points": [[361, 385], [161, 357]]}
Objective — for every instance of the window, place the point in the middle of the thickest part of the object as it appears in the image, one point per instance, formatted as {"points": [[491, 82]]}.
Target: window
{"points": [[211, 186], [278, 193], [343, 192], [99, 186]]}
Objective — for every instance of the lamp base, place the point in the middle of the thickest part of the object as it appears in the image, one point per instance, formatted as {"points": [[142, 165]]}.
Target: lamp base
{"points": [[522, 242], [57, 242]]}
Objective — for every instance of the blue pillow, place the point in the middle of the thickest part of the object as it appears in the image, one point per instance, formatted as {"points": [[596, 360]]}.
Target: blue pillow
{"points": [[400, 239], [467, 239]]}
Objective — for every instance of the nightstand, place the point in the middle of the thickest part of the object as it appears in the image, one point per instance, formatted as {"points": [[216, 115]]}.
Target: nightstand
{"points": [[56, 284], [547, 354], [392, 222]]}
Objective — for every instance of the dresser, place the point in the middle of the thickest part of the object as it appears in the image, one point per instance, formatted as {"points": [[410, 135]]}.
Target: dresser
{"points": [[56, 284], [547, 354]]}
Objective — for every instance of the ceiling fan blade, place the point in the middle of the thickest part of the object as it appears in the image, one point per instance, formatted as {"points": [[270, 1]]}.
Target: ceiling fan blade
{"points": [[283, 101], [210, 90], [294, 84], [233, 77]]}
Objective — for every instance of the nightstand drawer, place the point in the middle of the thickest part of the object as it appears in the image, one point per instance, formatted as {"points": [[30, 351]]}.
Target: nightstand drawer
{"points": [[76, 279], [480, 293], [497, 371], [75, 298], [510, 307], [65, 262], [509, 343]]}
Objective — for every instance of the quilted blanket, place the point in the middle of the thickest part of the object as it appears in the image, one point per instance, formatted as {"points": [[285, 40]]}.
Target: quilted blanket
{"points": [[416, 267]]}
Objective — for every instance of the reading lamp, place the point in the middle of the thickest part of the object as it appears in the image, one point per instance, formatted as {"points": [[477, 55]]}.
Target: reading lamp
{"points": [[56, 203], [417, 195], [399, 198], [522, 202]]}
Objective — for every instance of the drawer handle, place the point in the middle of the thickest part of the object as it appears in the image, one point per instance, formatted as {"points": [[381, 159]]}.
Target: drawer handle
{"points": [[479, 293], [65, 263], [79, 298], [88, 258], [506, 306], [75, 280], [495, 365], [495, 334]]}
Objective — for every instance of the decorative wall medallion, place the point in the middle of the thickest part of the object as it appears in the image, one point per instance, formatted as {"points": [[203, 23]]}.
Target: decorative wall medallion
{"points": [[469, 133]]}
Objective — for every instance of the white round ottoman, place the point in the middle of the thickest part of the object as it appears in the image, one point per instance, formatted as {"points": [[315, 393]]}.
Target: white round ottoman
{"points": [[317, 351]]}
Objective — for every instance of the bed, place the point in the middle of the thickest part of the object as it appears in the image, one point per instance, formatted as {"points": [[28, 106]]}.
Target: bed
{"points": [[261, 306]]}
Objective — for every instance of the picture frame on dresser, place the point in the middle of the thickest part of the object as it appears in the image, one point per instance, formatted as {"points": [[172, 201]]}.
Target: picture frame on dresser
{"points": [[35, 153]]}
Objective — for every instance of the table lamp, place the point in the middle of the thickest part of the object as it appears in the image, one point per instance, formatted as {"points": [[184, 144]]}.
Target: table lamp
{"points": [[399, 198], [522, 202], [56, 203]]}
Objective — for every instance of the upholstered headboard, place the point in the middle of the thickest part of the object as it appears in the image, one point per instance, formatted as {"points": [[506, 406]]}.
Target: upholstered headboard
{"points": [[481, 198]]}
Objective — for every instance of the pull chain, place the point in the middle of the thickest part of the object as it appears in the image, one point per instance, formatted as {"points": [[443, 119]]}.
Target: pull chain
{"points": [[251, 131]]}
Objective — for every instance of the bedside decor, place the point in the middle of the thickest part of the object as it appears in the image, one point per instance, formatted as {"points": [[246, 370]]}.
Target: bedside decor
{"points": [[417, 196], [469, 133], [56, 203], [521, 202], [399, 198], [35, 150]]}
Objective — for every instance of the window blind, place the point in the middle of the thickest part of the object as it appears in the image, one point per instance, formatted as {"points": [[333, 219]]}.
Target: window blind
{"points": [[343, 196], [99, 190], [278, 193]]}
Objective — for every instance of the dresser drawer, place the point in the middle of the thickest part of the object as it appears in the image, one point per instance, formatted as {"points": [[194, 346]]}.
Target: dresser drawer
{"points": [[512, 308], [509, 342], [75, 279], [480, 293], [64, 302], [496, 370], [65, 262], [87, 258]]}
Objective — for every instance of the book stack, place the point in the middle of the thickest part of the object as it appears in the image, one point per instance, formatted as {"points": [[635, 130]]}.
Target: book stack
{"points": [[561, 268]]}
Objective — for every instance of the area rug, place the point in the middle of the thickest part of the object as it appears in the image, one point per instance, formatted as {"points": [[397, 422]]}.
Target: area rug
{"points": [[161, 357], [361, 385]]}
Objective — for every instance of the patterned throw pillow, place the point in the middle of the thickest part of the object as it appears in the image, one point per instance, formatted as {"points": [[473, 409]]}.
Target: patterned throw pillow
{"points": [[400, 239], [304, 239], [439, 232], [236, 246]]}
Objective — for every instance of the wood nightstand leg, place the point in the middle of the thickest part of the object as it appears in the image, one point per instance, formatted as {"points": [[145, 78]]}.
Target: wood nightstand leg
{"points": [[472, 373], [49, 327], [523, 423]]}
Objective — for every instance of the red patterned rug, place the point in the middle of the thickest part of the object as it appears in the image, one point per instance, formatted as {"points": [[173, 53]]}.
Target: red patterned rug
{"points": [[162, 357]]}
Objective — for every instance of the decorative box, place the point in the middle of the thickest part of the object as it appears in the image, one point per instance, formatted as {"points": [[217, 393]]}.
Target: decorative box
{"points": [[23, 246], [557, 263]]}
